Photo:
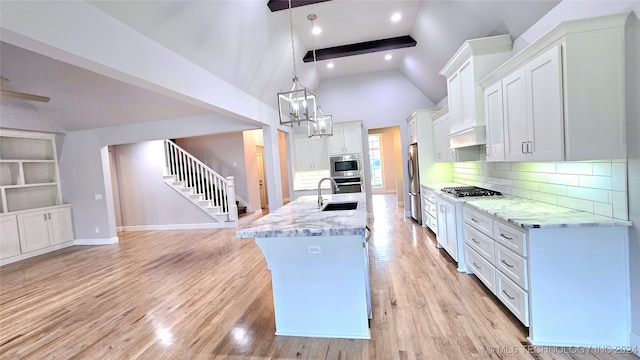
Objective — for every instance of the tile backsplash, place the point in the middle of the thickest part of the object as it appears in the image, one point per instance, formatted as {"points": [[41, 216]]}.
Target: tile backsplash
{"points": [[598, 187]]}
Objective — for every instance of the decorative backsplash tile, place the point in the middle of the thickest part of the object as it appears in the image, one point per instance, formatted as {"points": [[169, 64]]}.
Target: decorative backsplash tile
{"points": [[598, 187]]}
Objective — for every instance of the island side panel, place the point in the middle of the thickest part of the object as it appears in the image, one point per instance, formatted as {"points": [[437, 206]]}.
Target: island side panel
{"points": [[319, 287], [579, 284]]}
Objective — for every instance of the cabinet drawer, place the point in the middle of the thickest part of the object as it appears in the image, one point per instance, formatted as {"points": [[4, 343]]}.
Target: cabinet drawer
{"points": [[480, 267], [480, 242], [512, 238], [431, 207], [514, 298], [478, 220], [512, 265]]}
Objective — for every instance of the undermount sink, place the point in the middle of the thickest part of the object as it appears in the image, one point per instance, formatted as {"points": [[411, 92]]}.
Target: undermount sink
{"points": [[334, 206]]}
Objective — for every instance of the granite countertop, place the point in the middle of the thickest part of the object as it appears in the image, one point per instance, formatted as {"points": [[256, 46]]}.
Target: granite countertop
{"points": [[530, 214], [302, 217]]}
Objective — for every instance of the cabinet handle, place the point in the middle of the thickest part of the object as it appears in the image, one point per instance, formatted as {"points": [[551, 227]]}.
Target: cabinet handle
{"points": [[505, 236], [529, 146], [523, 147], [45, 217], [476, 265], [475, 241], [474, 220], [509, 296], [486, 150], [506, 263]]}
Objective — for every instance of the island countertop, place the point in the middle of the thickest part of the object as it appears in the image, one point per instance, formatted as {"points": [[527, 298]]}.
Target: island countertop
{"points": [[303, 217]]}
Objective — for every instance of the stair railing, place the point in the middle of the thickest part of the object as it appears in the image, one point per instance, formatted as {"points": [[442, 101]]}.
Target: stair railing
{"points": [[214, 188]]}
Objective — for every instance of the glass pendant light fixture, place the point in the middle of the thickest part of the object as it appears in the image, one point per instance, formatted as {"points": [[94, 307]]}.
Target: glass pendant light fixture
{"points": [[297, 105], [323, 126]]}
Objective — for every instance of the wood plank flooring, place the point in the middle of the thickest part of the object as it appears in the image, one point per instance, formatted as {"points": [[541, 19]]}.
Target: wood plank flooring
{"points": [[204, 294]]}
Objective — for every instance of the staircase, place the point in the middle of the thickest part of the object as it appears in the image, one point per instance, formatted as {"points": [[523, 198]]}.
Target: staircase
{"points": [[195, 181]]}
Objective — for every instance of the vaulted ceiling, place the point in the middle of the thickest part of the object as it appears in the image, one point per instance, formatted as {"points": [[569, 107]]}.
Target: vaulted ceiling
{"points": [[249, 46]]}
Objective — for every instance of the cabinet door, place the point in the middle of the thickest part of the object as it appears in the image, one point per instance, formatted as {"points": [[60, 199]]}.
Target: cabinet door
{"points": [[9, 239], [495, 123], [456, 112], [450, 223], [335, 143], [468, 87], [319, 154], [441, 130], [34, 231], [544, 95], [60, 225], [353, 138], [303, 160], [514, 96], [413, 131]]}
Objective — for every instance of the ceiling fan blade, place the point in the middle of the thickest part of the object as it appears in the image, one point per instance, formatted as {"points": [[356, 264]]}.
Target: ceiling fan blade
{"points": [[17, 95]]}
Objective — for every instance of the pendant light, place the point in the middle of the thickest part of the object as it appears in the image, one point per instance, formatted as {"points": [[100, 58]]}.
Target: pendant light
{"points": [[297, 105], [323, 126]]}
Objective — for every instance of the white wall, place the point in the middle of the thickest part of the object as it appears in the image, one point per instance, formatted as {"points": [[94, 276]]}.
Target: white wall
{"points": [[571, 10], [145, 200], [380, 99]]}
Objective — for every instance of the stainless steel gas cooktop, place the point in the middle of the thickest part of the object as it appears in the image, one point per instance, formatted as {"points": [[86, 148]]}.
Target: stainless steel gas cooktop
{"points": [[464, 191]]}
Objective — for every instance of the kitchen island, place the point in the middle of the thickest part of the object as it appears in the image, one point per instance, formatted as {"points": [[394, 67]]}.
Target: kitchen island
{"points": [[319, 266]]}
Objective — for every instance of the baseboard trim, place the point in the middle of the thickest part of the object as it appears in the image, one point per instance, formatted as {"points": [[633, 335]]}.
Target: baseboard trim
{"points": [[222, 225], [103, 241], [634, 340]]}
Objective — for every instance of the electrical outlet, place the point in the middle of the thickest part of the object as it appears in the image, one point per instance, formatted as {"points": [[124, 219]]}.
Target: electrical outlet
{"points": [[98, 196], [97, 230], [314, 250]]}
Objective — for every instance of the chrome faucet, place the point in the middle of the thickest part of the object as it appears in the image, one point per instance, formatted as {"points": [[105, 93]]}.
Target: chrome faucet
{"points": [[335, 189]]}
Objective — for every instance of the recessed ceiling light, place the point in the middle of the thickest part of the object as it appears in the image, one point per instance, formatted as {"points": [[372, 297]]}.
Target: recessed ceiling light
{"points": [[330, 65], [388, 57], [396, 17]]}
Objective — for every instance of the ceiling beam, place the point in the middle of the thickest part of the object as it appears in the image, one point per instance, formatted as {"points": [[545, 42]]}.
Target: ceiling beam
{"points": [[277, 5], [361, 48]]}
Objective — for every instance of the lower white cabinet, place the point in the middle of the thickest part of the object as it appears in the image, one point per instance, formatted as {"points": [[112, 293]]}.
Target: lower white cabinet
{"points": [[10, 239], [568, 284], [449, 231], [33, 232]]}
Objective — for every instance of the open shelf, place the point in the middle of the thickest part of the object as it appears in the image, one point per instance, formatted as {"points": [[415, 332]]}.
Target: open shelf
{"points": [[31, 197]]}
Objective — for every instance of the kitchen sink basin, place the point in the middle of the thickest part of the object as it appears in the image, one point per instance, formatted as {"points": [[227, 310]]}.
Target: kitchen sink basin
{"points": [[335, 206]]}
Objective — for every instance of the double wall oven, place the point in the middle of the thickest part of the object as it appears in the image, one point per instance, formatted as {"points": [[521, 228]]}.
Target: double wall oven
{"points": [[346, 170]]}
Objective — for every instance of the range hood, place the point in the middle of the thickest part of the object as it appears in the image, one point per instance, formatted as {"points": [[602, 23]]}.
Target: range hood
{"points": [[469, 137]]}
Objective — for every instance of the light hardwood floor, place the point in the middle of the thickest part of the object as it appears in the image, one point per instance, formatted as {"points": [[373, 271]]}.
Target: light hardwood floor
{"points": [[204, 294]]}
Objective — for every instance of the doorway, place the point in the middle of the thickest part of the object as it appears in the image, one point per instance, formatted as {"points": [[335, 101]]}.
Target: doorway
{"points": [[386, 161], [262, 179]]}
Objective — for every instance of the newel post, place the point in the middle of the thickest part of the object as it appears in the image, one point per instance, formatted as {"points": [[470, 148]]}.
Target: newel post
{"points": [[231, 197]]}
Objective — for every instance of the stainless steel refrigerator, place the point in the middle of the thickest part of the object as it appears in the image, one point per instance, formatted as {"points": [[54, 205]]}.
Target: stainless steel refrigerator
{"points": [[414, 183]]}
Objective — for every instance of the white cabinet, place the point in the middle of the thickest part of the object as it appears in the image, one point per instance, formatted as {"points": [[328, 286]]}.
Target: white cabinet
{"points": [[346, 139], [502, 270], [495, 149], [413, 130], [34, 220], [441, 127], [533, 110], [311, 153], [447, 227], [9, 238], [561, 95], [430, 210], [474, 60], [43, 228]]}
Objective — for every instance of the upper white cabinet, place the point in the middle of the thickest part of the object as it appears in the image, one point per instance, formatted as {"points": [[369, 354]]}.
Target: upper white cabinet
{"points": [[441, 126], [561, 95], [311, 153], [346, 139], [413, 129], [473, 61]]}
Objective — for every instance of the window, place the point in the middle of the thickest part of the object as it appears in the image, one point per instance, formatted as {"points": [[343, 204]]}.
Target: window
{"points": [[375, 157]]}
